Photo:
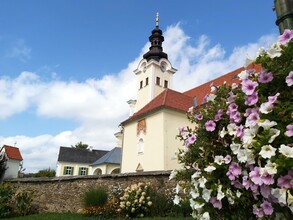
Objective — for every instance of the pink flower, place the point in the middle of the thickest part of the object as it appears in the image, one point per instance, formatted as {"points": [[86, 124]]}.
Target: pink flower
{"points": [[265, 191], [273, 99], [239, 131], [191, 140], [255, 176], [267, 178], [265, 77], [289, 131], [252, 99], [267, 208], [285, 181], [248, 86], [286, 36], [289, 79], [210, 125], [227, 159], [234, 171], [252, 119], [216, 203], [258, 211], [198, 117], [219, 115]]}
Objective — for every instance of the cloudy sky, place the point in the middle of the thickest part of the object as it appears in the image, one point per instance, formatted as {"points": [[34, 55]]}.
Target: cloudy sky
{"points": [[66, 67]]}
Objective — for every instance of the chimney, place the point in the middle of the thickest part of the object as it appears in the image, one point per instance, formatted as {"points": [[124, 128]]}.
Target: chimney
{"points": [[131, 104]]}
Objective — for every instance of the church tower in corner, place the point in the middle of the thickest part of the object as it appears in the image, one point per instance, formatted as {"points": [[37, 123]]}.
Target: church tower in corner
{"points": [[154, 72]]}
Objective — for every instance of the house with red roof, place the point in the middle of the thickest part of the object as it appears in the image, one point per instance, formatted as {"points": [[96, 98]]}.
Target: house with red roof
{"points": [[149, 134], [14, 160]]}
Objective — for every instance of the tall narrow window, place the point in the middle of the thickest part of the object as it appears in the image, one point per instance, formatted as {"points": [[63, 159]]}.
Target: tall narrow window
{"points": [[165, 84], [140, 146], [147, 81], [158, 81], [140, 86]]}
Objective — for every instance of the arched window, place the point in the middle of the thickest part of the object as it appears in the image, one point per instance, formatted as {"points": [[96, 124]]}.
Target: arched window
{"points": [[140, 146], [98, 171]]}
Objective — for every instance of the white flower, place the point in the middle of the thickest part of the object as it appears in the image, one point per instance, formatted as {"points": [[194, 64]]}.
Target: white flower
{"points": [[194, 193], [220, 194], [178, 188], [206, 194], [195, 205], [209, 168], [243, 75], [205, 216], [232, 128], [219, 159], [235, 148], [248, 135], [222, 133], [234, 85], [172, 174], [196, 175], [266, 108], [267, 124], [176, 200], [238, 194], [245, 155], [267, 151], [211, 97], [280, 194], [275, 133], [202, 181], [270, 168], [286, 151], [274, 50]]}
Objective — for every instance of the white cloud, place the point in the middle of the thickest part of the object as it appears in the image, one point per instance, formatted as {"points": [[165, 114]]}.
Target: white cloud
{"points": [[99, 105], [19, 51]]}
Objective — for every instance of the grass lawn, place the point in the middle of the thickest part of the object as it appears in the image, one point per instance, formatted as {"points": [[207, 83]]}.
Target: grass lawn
{"points": [[70, 216]]}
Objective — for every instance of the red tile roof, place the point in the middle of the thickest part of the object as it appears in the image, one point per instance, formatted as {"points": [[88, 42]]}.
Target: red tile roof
{"points": [[169, 99], [201, 91], [183, 101], [12, 152]]}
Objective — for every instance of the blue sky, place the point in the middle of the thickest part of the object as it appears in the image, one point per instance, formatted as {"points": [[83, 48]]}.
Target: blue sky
{"points": [[66, 66]]}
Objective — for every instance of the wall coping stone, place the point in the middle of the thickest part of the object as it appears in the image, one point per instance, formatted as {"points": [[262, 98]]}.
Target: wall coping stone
{"points": [[103, 176]]}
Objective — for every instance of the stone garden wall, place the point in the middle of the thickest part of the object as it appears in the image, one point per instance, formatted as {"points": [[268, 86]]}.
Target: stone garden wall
{"points": [[63, 194]]}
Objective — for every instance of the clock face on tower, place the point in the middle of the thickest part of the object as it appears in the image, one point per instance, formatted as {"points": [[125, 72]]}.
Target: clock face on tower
{"points": [[163, 67]]}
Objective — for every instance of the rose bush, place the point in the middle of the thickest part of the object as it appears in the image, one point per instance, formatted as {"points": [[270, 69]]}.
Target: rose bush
{"points": [[238, 158]]}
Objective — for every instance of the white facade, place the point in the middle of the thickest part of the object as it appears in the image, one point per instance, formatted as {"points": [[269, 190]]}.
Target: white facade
{"points": [[12, 169], [153, 77], [155, 148]]}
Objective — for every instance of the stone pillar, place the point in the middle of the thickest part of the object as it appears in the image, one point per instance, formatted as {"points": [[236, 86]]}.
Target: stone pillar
{"points": [[284, 12]]}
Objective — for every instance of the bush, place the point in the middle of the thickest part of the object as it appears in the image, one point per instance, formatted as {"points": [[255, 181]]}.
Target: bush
{"points": [[23, 203], [96, 197], [6, 193], [136, 201]]}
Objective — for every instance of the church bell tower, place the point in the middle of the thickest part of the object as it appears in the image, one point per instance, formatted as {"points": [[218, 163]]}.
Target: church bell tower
{"points": [[154, 72]]}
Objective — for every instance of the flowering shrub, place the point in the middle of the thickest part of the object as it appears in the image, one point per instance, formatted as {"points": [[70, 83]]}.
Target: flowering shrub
{"points": [[107, 211], [238, 158], [136, 201]]}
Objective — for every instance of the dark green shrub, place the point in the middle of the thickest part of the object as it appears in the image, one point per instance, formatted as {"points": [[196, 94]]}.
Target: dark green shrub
{"points": [[162, 205], [23, 203], [95, 197], [6, 193]]}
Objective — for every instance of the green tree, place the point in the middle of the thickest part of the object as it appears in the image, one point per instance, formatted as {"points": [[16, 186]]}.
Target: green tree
{"points": [[3, 167], [80, 145], [45, 173]]}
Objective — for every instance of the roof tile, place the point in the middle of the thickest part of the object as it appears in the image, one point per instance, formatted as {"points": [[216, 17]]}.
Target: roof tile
{"points": [[12, 153]]}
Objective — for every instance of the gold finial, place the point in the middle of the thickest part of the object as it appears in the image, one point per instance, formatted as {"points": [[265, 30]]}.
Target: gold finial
{"points": [[157, 19]]}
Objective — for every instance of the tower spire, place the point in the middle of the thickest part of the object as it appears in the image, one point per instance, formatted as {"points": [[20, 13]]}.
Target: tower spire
{"points": [[156, 50], [157, 20]]}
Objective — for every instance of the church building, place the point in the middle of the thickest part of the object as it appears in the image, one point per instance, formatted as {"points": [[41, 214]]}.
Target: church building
{"points": [[149, 134]]}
